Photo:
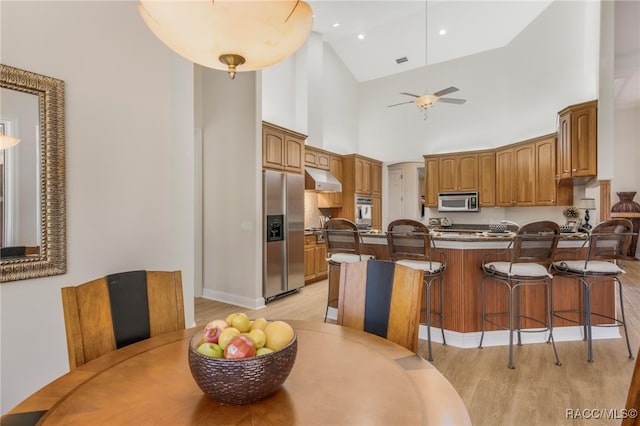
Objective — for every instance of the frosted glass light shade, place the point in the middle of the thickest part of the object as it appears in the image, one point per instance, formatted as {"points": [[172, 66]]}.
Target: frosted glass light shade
{"points": [[262, 32], [8, 141]]}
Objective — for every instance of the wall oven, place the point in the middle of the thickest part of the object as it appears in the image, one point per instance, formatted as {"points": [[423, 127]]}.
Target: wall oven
{"points": [[458, 202], [364, 206]]}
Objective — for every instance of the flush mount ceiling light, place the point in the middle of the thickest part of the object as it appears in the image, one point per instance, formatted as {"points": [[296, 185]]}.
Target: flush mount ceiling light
{"points": [[230, 35]]}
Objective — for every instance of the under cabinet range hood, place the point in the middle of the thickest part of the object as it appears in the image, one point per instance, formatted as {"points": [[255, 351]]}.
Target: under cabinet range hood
{"points": [[321, 180]]}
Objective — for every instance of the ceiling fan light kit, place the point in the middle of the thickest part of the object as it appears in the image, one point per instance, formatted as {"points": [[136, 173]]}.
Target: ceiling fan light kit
{"points": [[230, 35], [426, 101]]}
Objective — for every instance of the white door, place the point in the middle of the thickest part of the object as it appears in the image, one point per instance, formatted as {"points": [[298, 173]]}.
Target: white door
{"points": [[395, 206]]}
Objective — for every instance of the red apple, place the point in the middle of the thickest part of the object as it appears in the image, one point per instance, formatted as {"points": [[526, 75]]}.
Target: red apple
{"points": [[240, 347], [213, 329]]}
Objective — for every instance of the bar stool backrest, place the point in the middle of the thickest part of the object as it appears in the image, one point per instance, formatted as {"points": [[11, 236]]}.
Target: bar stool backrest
{"points": [[610, 240], [408, 239], [536, 242], [341, 236]]}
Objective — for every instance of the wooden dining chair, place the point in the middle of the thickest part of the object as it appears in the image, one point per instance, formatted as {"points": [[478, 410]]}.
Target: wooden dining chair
{"points": [[382, 298], [120, 309]]}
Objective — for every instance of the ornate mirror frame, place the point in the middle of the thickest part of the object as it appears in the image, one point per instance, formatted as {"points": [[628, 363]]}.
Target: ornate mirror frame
{"points": [[52, 258]]}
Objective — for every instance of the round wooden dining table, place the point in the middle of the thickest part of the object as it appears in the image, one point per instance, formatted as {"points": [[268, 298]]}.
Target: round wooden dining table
{"points": [[341, 376]]}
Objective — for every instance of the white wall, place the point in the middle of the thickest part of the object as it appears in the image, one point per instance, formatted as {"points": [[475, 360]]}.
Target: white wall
{"points": [[129, 163], [626, 154], [232, 183]]}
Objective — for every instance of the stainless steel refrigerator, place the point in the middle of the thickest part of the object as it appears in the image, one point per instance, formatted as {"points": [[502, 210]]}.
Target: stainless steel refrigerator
{"points": [[283, 233]]}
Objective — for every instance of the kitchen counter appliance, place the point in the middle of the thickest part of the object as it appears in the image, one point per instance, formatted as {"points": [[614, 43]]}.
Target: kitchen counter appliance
{"points": [[458, 202], [364, 207], [283, 254]]}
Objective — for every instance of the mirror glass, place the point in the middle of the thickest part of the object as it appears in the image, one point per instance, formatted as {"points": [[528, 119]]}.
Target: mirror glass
{"points": [[32, 176], [20, 176]]}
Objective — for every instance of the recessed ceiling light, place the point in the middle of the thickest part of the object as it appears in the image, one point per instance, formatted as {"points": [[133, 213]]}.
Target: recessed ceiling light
{"points": [[360, 36], [442, 32], [336, 25]]}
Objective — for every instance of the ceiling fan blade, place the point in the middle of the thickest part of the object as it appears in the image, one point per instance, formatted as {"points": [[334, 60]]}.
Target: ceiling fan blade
{"points": [[409, 94], [401, 103], [446, 91], [452, 100]]}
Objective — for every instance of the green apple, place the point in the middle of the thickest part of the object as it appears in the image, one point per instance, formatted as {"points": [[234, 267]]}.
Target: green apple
{"points": [[263, 351], [211, 349]]}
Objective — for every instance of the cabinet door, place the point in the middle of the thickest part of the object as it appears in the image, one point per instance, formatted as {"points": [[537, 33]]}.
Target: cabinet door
{"points": [[322, 161], [321, 260], [545, 183], [467, 170], [363, 176], [310, 157], [448, 174], [524, 175], [431, 182], [309, 262], [584, 141], [376, 212], [335, 167], [272, 148], [487, 179], [376, 178], [504, 182], [563, 159], [293, 153]]}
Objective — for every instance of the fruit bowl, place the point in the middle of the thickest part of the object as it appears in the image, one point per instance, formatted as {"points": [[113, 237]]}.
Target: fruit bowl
{"points": [[241, 381]]}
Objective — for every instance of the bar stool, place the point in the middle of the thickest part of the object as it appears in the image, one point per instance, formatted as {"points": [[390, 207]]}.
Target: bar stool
{"points": [[343, 243], [607, 247], [411, 245], [528, 259]]}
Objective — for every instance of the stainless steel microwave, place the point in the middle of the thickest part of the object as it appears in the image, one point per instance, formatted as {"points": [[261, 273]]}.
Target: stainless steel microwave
{"points": [[458, 202]]}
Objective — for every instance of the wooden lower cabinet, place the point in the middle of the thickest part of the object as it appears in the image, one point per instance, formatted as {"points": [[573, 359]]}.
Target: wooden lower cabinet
{"points": [[315, 260], [462, 298], [463, 306]]}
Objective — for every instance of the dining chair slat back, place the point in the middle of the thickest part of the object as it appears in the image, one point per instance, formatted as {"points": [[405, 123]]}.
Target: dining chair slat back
{"points": [[120, 309], [382, 298]]}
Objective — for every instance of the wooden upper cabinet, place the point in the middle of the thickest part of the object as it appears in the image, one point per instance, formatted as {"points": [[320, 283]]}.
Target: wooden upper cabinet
{"points": [[294, 152], [545, 183], [282, 149], [504, 182], [376, 178], [487, 179], [431, 181], [313, 157], [362, 176], [515, 175], [577, 141], [458, 173]]}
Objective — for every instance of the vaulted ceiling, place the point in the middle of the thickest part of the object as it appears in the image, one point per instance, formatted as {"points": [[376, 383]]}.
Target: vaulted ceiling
{"points": [[411, 29]]}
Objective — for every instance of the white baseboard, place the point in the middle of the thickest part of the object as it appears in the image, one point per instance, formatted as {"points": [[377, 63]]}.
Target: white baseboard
{"points": [[501, 337], [233, 299]]}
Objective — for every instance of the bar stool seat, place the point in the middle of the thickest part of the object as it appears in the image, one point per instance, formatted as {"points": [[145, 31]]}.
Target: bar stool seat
{"points": [[343, 242], [607, 247], [528, 259]]}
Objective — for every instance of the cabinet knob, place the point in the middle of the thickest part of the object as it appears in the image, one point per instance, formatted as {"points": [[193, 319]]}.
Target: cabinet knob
{"points": [[574, 170]]}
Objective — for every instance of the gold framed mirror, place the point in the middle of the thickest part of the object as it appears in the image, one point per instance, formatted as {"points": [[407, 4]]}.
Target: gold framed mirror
{"points": [[32, 109]]}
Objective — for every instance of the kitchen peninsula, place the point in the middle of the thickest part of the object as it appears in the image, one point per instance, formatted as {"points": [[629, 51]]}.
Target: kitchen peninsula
{"points": [[464, 250]]}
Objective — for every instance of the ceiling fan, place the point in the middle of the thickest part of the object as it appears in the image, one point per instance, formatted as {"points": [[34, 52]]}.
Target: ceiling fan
{"points": [[425, 102]]}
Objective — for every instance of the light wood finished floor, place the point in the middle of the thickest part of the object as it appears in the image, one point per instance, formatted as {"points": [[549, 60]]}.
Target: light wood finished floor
{"points": [[536, 392]]}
